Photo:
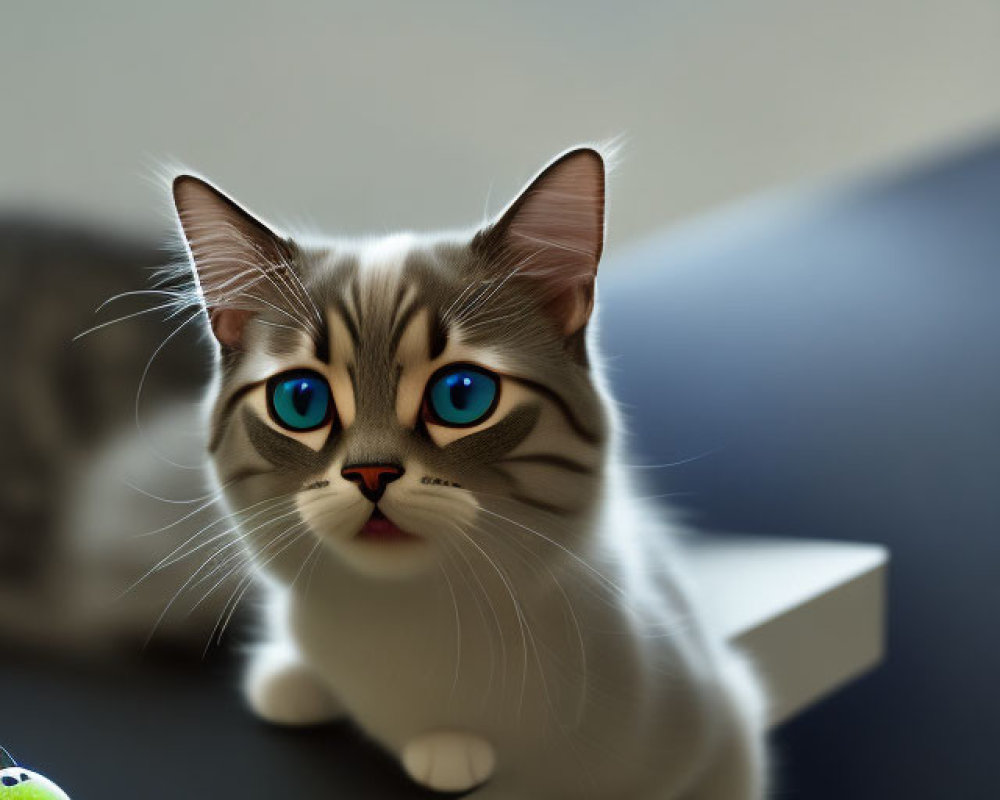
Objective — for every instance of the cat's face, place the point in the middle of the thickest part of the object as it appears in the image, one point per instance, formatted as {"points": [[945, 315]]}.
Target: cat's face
{"points": [[398, 400]]}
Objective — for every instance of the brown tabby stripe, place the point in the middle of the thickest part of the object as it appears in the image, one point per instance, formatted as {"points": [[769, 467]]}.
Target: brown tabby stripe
{"points": [[560, 402], [501, 438], [222, 423], [244, 473], [352, 328], [399, 328], [397, 301], [282, 450], [550, 460], [321, 340], [356, 299], [437, 337], [541, 505]]}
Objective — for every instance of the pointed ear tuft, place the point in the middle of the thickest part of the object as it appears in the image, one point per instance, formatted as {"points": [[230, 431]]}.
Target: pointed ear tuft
{"points": [[553, 233], [236, 257]]}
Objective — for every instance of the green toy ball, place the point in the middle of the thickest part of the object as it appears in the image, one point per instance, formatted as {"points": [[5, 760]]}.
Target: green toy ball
{"points": [[18, 783]]}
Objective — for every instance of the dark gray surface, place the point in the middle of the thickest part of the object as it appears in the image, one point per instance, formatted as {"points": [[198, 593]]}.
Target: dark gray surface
{"points": [[162, 730], [831, 365]]}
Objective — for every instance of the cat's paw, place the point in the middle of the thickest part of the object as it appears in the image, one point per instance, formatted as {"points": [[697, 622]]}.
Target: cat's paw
{"points": [[449, 761], [284, 691]]}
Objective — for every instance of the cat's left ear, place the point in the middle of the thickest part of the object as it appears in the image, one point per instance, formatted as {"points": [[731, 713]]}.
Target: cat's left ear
{"points": [[553, 235], [239, 261]]}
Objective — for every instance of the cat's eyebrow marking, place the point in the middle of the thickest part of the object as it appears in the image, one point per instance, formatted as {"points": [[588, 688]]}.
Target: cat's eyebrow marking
{"points": [[397, 302], [581, 430], [356, 299], [222, 423], [349, 322], [401, 324], [437, 335], [321, 340]]}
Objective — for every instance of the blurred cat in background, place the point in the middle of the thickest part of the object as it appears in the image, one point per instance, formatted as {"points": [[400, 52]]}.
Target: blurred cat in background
{"points": [[417, 445], [88, 503]]}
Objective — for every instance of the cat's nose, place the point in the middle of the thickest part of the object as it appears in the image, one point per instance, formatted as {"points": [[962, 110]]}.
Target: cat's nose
{"points": [[372, 479]]}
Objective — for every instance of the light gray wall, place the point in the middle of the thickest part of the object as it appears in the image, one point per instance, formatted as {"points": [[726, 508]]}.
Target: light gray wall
{"points": [[359, 117]]}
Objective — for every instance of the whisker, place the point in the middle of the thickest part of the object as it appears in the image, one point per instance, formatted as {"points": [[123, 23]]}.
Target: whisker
{"points": [[679, 463], [211, 497], [518, 611], [173, 293], [249, 583], [584, 666], [124, 318], [553, 542], [458, 631], [482, 614], [169, 558], [142, 383], [296, 528]]}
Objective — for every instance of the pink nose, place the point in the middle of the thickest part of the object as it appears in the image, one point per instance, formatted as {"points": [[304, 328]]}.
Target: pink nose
{"points": [[372, 479]]}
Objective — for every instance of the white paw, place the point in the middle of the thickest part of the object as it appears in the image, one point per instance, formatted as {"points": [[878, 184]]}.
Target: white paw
{"points": [[286, 692], [449, 761]]}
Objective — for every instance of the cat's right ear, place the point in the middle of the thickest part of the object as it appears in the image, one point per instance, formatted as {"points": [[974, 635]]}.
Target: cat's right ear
{"points": [[232, 253], [553, 233]]}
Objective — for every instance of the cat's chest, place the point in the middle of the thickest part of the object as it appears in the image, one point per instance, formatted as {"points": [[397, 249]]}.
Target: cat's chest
{"points": [[380, 636], [462, 658]]}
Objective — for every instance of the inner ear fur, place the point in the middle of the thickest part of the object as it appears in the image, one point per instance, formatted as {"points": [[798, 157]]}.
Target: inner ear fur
{"points": [[238, 260], [552, 234]]}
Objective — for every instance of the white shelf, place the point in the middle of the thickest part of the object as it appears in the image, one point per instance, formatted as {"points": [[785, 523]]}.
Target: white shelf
{"points": [[811, 614]]}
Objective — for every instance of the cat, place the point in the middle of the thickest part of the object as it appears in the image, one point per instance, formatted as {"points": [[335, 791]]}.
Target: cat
{"points": [[419, 445], [70, 528]]}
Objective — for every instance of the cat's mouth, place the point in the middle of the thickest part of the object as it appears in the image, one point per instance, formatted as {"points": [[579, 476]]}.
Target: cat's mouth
{"points": [[379, 528]]}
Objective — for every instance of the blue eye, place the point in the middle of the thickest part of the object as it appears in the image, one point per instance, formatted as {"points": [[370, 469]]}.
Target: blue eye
{"points": [[461, 395], [300, 400]]}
